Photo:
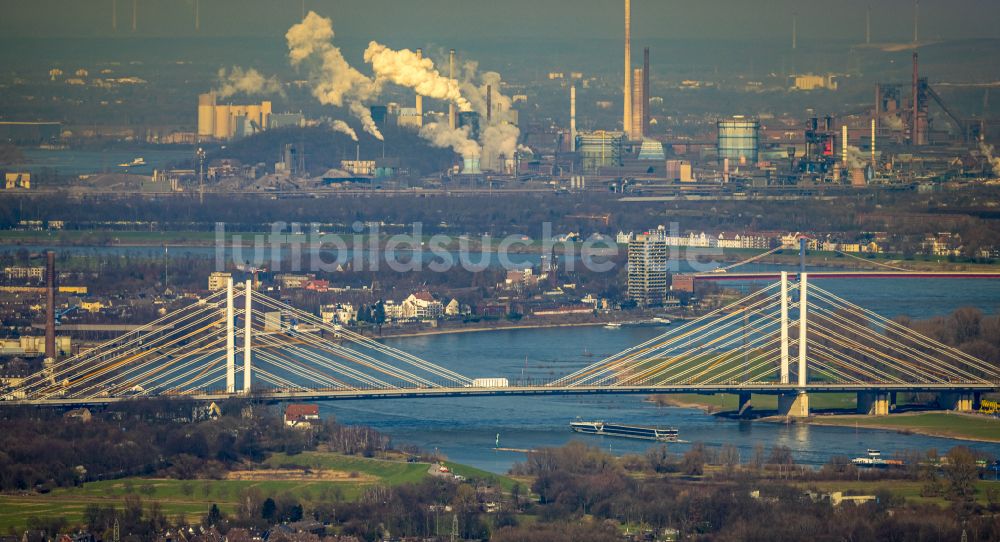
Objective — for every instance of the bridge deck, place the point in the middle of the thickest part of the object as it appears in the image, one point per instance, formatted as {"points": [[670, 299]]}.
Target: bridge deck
{"points": [[523, 391]]}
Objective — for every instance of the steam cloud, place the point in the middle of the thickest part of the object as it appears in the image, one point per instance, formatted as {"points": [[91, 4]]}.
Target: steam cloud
{"points": [[250, 82], [333, 80], [987, 151], [443, 136], [500, 135], [342, 127], [406, 69]]}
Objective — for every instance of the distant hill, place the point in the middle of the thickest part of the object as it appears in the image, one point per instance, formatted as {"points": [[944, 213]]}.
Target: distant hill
{"points": [[324, 149]]}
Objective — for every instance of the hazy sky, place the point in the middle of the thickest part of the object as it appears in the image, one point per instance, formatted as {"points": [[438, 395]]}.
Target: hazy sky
{"points": [[435, 20]]}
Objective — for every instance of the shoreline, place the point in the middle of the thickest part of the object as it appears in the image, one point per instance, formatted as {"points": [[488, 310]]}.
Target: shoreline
{"points": [[819, 259], [923, 431], [485, 329], [840, 420]]}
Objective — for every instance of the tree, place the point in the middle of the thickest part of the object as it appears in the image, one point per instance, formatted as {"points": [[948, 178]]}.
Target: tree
{"points": [[961, 473], [693, 462], [269, 510], [214, 516]]}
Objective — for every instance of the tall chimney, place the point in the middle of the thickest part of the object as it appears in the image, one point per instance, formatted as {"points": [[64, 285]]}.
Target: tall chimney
{"points": [[50, 303], [572, 118], [627, 119], [645, 90], [135, 10], [868, 25], [197, 15], [915, 129], [795, 31], [843, 145], [489, 104], [451, 74], [873, 141], [420, 99]]}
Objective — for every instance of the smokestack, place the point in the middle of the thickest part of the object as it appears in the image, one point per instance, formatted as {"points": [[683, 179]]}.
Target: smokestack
{"points": [[489, 103], [795, 31], [843, 145], [420, 99], [627, 119], [915, 129], [878, 100], [50, 303], [451, 74], [135, 10], [572, 118], [873, 142], [868, 25], [645, 90]]}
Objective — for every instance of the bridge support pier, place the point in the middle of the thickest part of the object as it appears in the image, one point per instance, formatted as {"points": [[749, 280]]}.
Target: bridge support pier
{"points": [[744, 402], [793, 405], [873, 403], [959, 401]]}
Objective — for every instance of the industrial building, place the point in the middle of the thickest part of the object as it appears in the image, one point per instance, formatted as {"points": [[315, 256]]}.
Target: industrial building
{"points": [[600, 149], [739, 139], [647, 269], [226, 121]]}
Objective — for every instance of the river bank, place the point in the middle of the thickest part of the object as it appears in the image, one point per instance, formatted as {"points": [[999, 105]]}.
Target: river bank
{"points": [[946, 424], [352, 241], [954, 425]]}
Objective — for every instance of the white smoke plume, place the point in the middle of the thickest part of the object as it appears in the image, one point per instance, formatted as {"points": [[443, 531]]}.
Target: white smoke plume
{"points": [[406, 69], [362, 113], [498, 136], [987, 151], [344, 128], [250, 82], [334, 81], [441, 135]]}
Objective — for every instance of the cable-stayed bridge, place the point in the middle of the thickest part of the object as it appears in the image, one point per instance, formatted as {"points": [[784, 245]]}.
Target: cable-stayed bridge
{"points": [[790, 339]]}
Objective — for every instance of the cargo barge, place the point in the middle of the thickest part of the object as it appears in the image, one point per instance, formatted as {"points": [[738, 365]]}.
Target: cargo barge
{"points": [[625, 431]]}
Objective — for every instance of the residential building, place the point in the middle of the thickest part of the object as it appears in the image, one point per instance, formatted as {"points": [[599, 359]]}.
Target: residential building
{"points": [[647, 270], [301, 415], [421, 306], [218, 280]]}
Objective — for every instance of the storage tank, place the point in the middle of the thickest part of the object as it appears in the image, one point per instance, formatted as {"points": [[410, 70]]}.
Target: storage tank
{"points": [[739, 138], [206, 115]]}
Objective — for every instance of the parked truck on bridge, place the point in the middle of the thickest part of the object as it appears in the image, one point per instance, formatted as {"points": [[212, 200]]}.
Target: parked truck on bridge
{"points": [[490, 383]]}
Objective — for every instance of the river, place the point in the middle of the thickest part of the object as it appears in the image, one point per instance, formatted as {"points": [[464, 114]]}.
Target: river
{"points": [[465, 429]]}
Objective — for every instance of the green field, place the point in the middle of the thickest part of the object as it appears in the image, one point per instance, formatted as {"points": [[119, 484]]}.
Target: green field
{"points": [[909, 489], [192, 498], [730, 401], [946, 424]]}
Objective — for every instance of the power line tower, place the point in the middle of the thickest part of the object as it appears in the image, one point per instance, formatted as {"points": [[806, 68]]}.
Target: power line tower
{"points": [[454, 527]]}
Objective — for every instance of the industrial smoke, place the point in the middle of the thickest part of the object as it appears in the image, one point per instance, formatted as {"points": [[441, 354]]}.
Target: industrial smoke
{"points": [[443, 136], [344, 128], [250, 82], [408, 69], [333, 80]]}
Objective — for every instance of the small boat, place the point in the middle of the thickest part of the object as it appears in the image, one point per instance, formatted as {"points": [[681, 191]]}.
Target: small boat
{"points": [[140, 161], [625, 431], [612, 325]]}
